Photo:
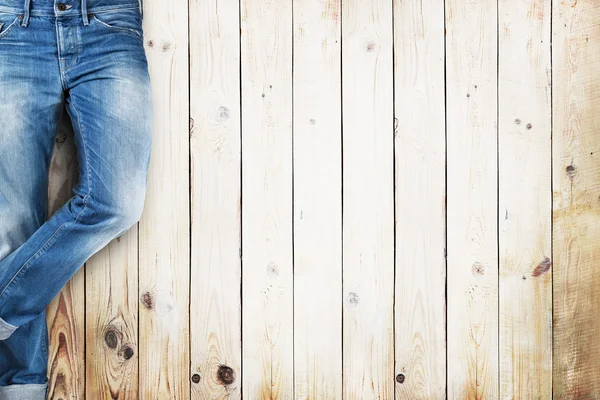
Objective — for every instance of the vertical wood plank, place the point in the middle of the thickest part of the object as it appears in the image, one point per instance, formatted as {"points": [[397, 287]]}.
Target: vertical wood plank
{"points": [[317, 200], [112, 320], [420, 200], [471, 57], [368, 199], [215, 314], [164, 261], [267, 270], [576, 198], [525, 199], [65, 314]]}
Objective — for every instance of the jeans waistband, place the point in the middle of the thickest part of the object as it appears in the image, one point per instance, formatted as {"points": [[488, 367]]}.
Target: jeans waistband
{"points": [[64, 7]]}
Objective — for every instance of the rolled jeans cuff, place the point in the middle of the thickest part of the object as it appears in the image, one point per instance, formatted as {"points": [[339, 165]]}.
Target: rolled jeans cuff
{"points": [[6, 330], [29, 391]]}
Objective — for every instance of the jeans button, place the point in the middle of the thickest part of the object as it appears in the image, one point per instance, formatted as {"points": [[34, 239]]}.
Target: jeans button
{"points": [[61, 6]]}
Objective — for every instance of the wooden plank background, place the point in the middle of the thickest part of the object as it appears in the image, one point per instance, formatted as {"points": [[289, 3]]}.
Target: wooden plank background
{"points": [[349, 199]]}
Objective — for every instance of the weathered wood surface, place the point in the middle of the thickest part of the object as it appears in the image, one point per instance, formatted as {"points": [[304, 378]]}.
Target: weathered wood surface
{"points": [[420, 200], [355, 200], [317, 222], [472, 189], [164, 229], [524, 209], [215, 151], [267, 288], [368, 200], [576, 198]]}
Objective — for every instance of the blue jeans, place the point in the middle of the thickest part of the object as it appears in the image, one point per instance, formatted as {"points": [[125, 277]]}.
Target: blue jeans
{"points": [[88, 57]]}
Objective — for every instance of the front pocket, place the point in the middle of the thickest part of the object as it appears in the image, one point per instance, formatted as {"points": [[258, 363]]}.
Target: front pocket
{"points": [[7, 21], [124, 20]]}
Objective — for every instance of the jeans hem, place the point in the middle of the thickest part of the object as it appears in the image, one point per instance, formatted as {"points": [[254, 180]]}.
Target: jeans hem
{"points": [[6, 330], [28, 391]]}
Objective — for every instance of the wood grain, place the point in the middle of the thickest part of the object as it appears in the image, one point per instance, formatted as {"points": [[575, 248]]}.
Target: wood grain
{"points": [[368, 199], [524, 211], [420, 200], [164, 237], [112, 320], [317, 200], [471, 59], [576, 198], [215, 313], [267, 267]]}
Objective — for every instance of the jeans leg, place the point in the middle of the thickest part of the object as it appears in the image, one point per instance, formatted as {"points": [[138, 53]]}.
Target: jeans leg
{"points": [[29, 111], [109, 102]]}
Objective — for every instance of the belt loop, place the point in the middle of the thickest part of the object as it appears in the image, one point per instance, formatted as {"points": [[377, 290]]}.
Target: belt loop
{"points": [[141, 2], [84, 13], [25, 21]]}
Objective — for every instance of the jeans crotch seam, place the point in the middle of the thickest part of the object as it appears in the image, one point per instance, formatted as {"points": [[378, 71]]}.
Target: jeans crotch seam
{"points": [[85, 156]]}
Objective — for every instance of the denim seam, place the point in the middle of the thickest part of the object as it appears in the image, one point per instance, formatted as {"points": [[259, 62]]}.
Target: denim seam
{"points": [[60, 62], [85, 155], [7, 29], [118, 28]]}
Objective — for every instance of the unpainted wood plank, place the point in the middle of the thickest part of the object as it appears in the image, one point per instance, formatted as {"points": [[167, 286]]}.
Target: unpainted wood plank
{"points": [[368, 200], [65, 314], [317, 200], [111, 301], [576, 198], [525, 204], [215, 312], [267, 275], [420, 340], [164, 239], [472, 262]]}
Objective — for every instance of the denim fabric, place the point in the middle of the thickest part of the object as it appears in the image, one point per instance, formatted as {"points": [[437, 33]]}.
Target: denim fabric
{"points": [[88, 57]]}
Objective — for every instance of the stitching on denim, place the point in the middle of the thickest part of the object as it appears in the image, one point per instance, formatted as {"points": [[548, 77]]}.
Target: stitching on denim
{"points": [[111, 10], [44, 337], [7, 29], [85, 156], [119, 28], [60, 62]]}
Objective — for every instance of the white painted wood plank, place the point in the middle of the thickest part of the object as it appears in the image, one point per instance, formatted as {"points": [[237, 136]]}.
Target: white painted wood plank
{"points": [[267, 275], [524, 211], [420, 200], [368, 199], [164, 226], [215, 312], [472, 264], [317, 200]]}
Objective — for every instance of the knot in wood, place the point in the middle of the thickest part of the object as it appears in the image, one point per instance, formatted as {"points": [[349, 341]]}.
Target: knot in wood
{"points": [[225, 375]]}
